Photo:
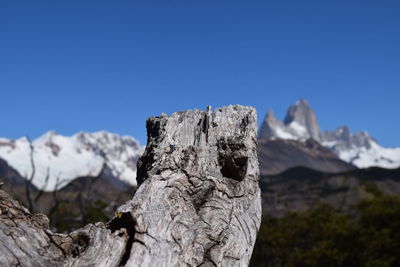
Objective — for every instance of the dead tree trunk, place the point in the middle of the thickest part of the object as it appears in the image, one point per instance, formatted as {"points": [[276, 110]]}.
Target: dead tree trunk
{"points": [[198, 203]]}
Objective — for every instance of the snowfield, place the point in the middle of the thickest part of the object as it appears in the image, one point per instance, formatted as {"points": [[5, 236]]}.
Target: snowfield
{"points": [[59, 159]]}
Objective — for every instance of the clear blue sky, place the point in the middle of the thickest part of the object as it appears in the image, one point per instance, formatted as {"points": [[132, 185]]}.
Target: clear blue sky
{"points": [[93, 65]]}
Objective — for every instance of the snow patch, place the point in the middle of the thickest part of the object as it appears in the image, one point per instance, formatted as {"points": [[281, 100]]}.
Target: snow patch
{"points": [[281, 133]]}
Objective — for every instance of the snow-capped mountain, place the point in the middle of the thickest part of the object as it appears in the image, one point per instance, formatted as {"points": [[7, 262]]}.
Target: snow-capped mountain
{"points": [[59, 159], [360, 149], [301, 124]]}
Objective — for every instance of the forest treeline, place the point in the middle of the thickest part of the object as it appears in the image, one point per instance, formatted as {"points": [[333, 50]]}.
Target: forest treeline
{"points": [[325, 237]]}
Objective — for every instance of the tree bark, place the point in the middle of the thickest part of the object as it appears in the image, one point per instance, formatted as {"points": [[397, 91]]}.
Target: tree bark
{"points": [[198, 203]]}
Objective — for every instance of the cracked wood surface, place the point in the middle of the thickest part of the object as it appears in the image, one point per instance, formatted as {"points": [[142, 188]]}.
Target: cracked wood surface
{"points": [[25, 240], [198, 202]]}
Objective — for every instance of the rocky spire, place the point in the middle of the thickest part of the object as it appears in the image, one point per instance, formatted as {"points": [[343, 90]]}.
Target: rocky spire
{"points": [[300, 124], [302, 113], [269, 126]]}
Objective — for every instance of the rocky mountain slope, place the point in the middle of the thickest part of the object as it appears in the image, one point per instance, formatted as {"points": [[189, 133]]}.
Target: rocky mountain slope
{"points": [[300, 124], [278, 155], [300, 189], [13, 182], [59, 159], [360, 149]]}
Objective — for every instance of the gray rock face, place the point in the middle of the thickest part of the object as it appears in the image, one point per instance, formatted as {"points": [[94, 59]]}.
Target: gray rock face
{"points": [[302, 113], [300, 124], [270, 126], [342, 139], [198, 203]]}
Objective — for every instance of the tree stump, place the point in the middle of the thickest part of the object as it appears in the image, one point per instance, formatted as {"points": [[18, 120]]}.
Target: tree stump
{"points": [[198, 202]]}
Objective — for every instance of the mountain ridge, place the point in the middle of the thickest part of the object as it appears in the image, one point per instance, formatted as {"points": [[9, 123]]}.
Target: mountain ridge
{"points": [[301, 124], [64, 158], [278, 155], [301, 188]]}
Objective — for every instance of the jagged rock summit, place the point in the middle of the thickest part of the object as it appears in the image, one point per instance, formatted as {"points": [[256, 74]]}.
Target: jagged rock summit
{"points": [[198, 202], [300, 124], [302, 114]]}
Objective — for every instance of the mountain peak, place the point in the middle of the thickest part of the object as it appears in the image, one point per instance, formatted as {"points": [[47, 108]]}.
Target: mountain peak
{"points": [[64, 158], [269, 126], [270, 115], [48, 134], [46, 137], [301, 124], [302, 113], [302, 102], [299, 112]]}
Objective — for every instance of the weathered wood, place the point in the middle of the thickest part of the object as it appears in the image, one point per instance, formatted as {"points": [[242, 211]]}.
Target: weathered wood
{"points": [[198, 202], [25, 240]]}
